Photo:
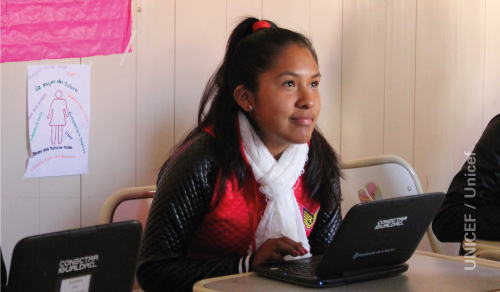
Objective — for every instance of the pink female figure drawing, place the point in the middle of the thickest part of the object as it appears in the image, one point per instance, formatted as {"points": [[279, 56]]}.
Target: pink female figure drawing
{"points": [[57, 114]]}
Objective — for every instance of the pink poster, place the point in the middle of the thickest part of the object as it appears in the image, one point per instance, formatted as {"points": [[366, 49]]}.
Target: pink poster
{"points": [[55, 29]]}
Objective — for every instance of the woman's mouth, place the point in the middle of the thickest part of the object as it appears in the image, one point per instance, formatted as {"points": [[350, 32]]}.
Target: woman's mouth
{"points": [[304, 121]]}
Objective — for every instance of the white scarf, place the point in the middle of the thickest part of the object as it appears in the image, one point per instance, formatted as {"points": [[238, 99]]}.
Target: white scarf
{"points": [[277, 180]]}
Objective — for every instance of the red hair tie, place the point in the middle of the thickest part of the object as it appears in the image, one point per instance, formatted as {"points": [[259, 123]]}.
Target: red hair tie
{"points": [[260, 24]]}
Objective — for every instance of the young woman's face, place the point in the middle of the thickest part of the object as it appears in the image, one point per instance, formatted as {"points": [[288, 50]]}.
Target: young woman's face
{"points": [[287, 102]]}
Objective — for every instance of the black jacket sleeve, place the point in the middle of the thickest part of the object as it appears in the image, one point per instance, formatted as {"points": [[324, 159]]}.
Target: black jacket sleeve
{"points": [[184, 190], [327, 223], [472, 205]]}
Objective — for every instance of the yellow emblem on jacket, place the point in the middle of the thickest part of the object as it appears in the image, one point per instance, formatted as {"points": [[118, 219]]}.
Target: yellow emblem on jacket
{"points": [[309, 218]]}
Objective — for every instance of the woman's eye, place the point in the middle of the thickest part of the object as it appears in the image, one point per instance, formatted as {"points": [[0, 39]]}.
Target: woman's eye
{"points": [[315, 84], [289, 84]]}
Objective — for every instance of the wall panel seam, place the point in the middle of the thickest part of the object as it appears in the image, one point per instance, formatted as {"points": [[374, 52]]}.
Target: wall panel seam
{"points": [[483, 123], [136, 94], [385, 79], [341, 76], [415, 87], [175, 69]]}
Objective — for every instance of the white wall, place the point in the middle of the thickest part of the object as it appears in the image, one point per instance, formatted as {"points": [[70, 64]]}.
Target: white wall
{"points": [[415, 78]]}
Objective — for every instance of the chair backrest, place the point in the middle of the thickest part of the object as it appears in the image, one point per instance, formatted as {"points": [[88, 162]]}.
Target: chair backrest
{"points": [[128, 204], [381, 177]]}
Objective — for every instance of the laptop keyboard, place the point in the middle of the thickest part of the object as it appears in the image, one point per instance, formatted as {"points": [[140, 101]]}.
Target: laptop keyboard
{"points": [[306, 269]]}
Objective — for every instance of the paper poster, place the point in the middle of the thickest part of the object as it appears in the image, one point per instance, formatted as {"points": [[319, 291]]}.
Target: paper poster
{"points": [[58, 120], [55, 29]]}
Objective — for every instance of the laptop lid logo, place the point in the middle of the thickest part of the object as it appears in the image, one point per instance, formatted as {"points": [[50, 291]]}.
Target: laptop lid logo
{"points": [[390, 223], [78, 264]]}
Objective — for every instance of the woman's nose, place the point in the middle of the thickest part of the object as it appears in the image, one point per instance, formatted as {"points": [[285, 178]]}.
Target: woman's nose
{"points": [[307, 98]]}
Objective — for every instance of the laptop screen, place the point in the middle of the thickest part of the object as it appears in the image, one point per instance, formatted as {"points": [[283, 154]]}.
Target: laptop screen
{"points": [[98, 258]]}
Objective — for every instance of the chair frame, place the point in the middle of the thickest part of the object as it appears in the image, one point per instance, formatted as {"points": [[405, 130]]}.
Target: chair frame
{"points": [[386, 159], [118, 197], [128, 194]]}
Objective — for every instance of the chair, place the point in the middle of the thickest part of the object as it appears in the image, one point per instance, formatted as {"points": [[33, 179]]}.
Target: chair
{"points": [[381, 177], [128, 204]]}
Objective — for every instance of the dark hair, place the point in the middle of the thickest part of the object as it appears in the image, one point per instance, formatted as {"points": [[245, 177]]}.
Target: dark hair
{"points": [[249, 54]]}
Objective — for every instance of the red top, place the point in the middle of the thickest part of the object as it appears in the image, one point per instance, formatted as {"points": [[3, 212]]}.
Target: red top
{"points": [[229, 226]]}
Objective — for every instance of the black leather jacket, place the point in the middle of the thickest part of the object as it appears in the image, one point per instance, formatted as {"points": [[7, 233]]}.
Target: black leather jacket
{"points": [[184, 190], [472, 205]]}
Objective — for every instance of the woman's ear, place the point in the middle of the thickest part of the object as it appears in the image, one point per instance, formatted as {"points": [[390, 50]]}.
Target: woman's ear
{"points": [[244, 98]]}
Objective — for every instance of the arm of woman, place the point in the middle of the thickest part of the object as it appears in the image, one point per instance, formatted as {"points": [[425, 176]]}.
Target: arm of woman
{"points": [[184, 190]]}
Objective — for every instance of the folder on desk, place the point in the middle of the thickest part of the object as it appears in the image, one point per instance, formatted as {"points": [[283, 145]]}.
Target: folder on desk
{"points": [[101, 258], [374, 240]]}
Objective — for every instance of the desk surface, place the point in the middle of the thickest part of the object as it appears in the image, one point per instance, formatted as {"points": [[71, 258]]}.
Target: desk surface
{"points": [[425, 273]]}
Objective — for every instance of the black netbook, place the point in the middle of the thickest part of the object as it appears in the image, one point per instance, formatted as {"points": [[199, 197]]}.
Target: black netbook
{"points": [[374, 240], [101, 258]]}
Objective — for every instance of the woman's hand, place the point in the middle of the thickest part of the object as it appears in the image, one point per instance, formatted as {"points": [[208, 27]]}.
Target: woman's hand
{"points": [[275, 249]]}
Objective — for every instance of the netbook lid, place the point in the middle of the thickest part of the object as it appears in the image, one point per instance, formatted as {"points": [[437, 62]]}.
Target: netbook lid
{"points": [[374, 240], [101, 258], [380, 233]]}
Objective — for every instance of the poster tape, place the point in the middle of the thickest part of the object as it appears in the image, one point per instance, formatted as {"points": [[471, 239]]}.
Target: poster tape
{"points": [[132, 38]]}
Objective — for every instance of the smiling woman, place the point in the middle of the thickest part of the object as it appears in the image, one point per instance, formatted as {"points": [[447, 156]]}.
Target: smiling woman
{"points": [[286, 104], [255, 181]]}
